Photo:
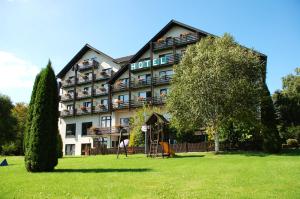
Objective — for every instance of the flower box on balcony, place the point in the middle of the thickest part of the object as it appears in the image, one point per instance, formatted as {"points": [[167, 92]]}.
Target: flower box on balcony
{"points": [[68, 81], [85, 92], [103, 73], [102, 89], [117, 101], [141, 98], [85, 62], [160, 40], [83, 108], [68, 95]]}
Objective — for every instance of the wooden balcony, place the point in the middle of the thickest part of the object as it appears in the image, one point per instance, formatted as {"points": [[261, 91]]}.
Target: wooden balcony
{"points": [[85, 79], [88, 65], [101, 91], [84, 95], [102, 131], [120, 87], [101, 108], [176, 41], [66, 113], [67, 97], [68, 83], [118, 105], [140, 83], [166, 79], [83, 110]]}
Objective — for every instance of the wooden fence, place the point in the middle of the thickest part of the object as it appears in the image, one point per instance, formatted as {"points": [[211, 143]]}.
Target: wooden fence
{"points": [[178, 148]]}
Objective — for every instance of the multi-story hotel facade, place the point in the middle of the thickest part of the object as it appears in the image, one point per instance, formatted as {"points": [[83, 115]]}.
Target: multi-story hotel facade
{"points": [[99, 92]]}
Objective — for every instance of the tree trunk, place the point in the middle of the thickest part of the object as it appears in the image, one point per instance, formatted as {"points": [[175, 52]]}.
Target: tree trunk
{"points": [[216, 142]]}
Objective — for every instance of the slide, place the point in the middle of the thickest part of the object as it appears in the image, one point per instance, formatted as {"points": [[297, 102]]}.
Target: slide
{"points": [[167, 149]]}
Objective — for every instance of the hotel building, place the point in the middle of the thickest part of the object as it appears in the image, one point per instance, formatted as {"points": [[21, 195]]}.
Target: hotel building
{"points": [[99, 91]]}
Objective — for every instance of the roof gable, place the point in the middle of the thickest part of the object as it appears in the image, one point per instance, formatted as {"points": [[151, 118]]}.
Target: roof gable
{"points": [[78, 56], [161, 33]]}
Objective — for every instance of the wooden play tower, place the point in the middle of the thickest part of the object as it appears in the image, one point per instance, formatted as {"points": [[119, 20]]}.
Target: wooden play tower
{"points": [[158, 136]]}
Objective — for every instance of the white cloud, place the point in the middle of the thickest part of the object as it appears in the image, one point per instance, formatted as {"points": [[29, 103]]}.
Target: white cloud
{"points": [[15, 73]]}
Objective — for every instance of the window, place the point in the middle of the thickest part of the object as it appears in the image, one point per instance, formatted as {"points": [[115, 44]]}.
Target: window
{"points": [[164, 92], [107, 70], [87, 104], [85, 126], [104, 101], [70, 107], [124, 121], [105, 121], [145, 78], [144, 94], [70, 129], [125, 81], [71, 77], [165, 74], [70, 149], [123, 98], [105, 86]]}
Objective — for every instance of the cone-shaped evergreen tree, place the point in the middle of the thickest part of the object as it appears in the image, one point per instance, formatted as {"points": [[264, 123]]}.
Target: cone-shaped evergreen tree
{"points": [[30, 115], [59, 146], [271, 138], [41, 147]]}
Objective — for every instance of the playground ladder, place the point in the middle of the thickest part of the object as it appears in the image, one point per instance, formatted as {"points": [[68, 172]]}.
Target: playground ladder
{"points": [[153, 148]]}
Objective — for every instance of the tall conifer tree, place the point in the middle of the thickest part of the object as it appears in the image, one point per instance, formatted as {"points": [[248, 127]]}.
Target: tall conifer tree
{"points": [[41, 147]]}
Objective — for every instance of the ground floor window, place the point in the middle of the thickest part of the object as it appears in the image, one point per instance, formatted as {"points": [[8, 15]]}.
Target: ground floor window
{"points": [[105, 121], [85, 126], [114, 144], [70, 149], [85, 149], [70, 129], [124, 121]]}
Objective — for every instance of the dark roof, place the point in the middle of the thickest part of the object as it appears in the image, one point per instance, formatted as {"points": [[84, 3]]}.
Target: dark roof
{"points": [[159, 35], [75, 59], [155, 117], [123, 59]]}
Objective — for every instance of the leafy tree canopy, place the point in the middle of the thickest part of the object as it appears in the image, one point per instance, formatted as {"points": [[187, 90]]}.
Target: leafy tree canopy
{"points": [[217, 79]]}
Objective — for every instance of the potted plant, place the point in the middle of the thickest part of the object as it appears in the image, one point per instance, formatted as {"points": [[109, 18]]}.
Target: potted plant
{"points": [[102, 89], [140, 98], [85, 62], [85, 92], [83, 108], [103, 73], [160, 40]]}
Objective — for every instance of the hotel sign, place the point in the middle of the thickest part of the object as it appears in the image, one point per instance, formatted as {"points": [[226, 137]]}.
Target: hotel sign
{"points": [[146, 63]]}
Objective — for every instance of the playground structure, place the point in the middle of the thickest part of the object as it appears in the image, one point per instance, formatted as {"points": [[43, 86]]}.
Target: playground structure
{"points": [[157, 135]]}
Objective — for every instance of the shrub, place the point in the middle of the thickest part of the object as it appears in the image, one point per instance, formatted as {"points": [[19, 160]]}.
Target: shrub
{"points": [[292, 143], [9, 149]]}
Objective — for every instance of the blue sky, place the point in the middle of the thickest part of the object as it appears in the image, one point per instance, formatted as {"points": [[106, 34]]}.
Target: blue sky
{"points": [[32, 31]]}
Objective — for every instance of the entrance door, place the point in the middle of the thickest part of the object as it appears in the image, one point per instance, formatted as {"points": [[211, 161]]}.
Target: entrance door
{"points": [[85, 149]]}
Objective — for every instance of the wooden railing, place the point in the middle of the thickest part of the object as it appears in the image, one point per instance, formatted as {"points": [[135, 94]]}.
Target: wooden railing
{"points": [[184, 39], [87, 65]]}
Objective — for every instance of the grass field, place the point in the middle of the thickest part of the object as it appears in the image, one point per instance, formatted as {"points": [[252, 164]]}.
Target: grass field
{"points": [[190, 175]]}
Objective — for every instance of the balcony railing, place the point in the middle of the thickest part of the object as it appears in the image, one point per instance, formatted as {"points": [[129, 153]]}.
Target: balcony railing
{"points": [[103, 75], [84, 95], [120, 105], [94, 131], [148, 101], [83, 79], [68, 83], [67, 97], [87, 65], [140, 83], [101, 108], [100, 91], [162, 80], [66, 113], [184, 39], [83, 110], [120, 87]]}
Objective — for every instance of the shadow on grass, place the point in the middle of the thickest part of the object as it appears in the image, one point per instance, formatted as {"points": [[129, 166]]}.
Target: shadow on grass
{"points": [[284, 152], [188, 156], [101, 170]]}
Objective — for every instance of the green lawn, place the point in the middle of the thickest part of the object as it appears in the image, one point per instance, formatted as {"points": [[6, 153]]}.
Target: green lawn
{"points": [[190, 175]]}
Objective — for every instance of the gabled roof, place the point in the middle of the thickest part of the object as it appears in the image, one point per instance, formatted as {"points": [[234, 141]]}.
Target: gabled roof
{"points": [[123, 59], [162, 32], [155, 117], [78, 56]]}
